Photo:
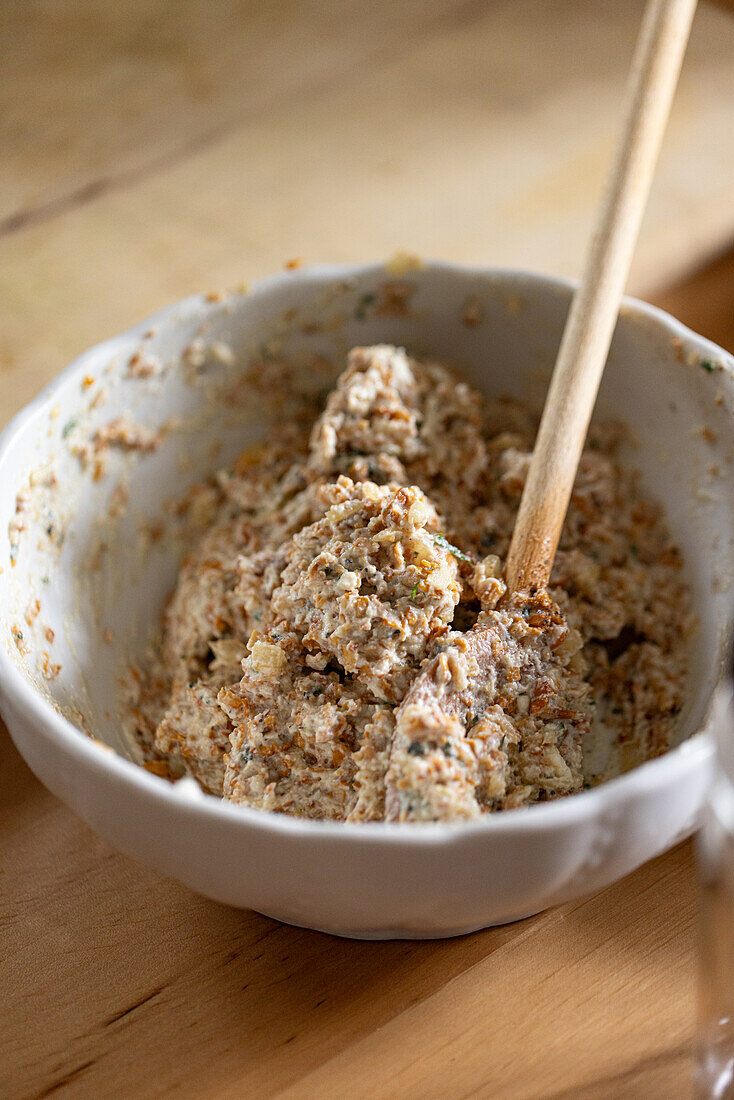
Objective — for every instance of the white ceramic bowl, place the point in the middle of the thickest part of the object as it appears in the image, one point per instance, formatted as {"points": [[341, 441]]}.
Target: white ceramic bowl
{"points": [[357, 880]]}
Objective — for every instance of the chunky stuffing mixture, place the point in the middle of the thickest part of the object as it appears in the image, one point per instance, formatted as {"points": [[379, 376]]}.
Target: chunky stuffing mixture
{"points": [[341, 643]]}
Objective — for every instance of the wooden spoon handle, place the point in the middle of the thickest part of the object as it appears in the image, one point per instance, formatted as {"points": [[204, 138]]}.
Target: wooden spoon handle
{"points": [[593, 313]]}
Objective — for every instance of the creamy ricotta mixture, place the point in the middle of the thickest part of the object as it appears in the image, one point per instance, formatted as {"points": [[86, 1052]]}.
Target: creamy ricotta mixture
{"points": [[341, 644]]}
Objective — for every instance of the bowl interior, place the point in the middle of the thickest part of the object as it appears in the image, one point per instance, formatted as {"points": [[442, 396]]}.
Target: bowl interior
{"points": [[94, 540]]}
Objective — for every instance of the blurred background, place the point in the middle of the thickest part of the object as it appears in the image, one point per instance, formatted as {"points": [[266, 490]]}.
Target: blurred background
{"points": [[150, 149]]}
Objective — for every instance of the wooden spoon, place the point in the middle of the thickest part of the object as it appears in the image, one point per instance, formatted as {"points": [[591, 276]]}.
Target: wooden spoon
{"points": [[454, 688], [593, 313]]}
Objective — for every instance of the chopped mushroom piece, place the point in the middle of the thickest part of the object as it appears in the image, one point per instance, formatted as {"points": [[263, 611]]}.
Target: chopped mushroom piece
{"points": [[496, 720]]}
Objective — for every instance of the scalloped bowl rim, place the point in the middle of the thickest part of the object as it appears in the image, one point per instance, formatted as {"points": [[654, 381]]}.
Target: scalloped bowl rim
{"points": [[695, 750]]}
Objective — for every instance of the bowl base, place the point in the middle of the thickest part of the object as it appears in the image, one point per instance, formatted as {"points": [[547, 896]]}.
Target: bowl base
{"points": [[406, 933]]}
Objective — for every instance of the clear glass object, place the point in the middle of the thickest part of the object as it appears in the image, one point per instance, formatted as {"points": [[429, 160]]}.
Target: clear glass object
{"points": [[714, 1069]]}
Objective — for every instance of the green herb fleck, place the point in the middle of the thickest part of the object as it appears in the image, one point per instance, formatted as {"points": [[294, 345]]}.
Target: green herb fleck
{"points": [[441, 540], [415, 748], [17, 634], [69, 427], [45, 582], [708, 365], [363, 303], [448, 748], [414, 592]]}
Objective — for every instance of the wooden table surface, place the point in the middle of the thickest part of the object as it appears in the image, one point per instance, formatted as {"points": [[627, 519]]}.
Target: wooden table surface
{"points": [[147, 156]]}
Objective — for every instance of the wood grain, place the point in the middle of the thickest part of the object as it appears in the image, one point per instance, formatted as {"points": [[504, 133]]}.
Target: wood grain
{"points": [[480, 137], [146, 157], [127, 90], [119, 982]]}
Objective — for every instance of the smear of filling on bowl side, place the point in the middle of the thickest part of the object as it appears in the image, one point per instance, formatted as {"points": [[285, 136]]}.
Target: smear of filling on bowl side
{"points": [[341, 643]]}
